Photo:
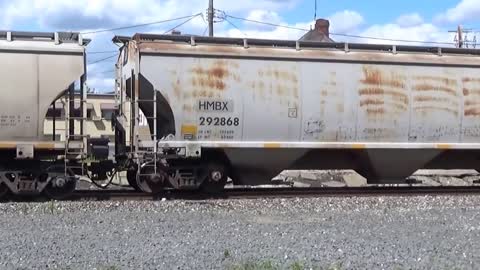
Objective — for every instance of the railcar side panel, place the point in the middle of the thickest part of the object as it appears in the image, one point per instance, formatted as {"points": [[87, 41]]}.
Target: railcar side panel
{"points": [[274, 105], [30, 83], [259, 100]]}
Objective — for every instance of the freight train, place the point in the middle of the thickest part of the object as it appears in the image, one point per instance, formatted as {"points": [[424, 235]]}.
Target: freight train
{"points": [[244, 109]]}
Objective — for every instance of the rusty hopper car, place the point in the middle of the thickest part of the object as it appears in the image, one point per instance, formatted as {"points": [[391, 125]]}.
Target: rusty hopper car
{"points": [[37, 69], [249, 109]]}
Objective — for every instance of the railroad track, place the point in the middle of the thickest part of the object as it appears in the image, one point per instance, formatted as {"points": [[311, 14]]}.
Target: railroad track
{"points": [[257, 193]]}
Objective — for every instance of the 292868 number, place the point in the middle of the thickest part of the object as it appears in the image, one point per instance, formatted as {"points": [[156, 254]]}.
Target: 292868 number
{"points": [[219, 121]]}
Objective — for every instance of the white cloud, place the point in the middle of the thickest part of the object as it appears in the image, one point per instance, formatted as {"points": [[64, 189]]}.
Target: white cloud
{"points": [[100, 84], [82, 14], [263, 16], [272, 33], [345, 21], [464, 11], [425, 32], [409, 20]]}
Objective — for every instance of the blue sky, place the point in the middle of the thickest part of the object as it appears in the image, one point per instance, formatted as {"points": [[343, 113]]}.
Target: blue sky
{"points": [[376, 12], [422, 20]]}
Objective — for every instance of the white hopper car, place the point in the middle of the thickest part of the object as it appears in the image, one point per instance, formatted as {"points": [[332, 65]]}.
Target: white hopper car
{"points": [[248, 109], [37, 69]]}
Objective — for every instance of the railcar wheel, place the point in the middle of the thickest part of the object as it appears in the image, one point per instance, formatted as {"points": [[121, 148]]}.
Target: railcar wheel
{"points": [[3, 190], [151, 182], [61, 185], [132, 179], [3, 187], [215, 179]]}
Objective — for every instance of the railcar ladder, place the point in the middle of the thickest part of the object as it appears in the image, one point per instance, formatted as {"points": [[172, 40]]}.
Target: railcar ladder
{"points": [[147, 156], [75, 153]]}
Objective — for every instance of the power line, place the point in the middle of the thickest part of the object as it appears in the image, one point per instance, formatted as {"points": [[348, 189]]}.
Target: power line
{"points": [[138, 25], [205, 31], [342, 35], [100, 52], [232, 24], [206, 23], [266, 23], [391, 39], [189, 19], [105, 72], [103, 59]]}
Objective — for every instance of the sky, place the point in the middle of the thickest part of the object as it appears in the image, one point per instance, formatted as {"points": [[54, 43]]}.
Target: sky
{"points": [[420, 20]]}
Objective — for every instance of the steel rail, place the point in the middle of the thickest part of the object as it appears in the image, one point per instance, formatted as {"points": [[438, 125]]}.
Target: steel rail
{"points": [[260, 193]]}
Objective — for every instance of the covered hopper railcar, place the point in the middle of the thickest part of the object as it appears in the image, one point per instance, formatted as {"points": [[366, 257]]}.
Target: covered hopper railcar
{"points": [[37, 70], [248, 109]]}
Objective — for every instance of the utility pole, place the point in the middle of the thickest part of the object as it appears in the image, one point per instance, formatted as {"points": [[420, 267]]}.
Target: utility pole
{"points": [[460, 36], [462, 39], [211, 12]]}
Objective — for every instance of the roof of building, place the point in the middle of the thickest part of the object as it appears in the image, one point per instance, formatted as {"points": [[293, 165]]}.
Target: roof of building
{"points": [[321, 32]]}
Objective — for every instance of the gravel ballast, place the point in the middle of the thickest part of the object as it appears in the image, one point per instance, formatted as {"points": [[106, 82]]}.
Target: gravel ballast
{"points": [[432, 232]]}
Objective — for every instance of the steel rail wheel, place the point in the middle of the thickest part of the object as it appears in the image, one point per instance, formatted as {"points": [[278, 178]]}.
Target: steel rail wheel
{"points": [[61, 185], [215, 178], [149, 181]]}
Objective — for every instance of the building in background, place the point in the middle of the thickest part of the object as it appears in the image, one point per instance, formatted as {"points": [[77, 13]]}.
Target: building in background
{"points": [[100, 110], [321, 32]]}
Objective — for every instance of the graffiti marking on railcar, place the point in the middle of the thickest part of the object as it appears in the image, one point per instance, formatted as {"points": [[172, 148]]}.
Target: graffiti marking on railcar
{"points": [[473, 131], [314, 127]]}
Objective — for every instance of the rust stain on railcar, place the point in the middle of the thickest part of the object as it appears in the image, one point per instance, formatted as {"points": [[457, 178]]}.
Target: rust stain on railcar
{"points": [[383, 103], [340, 108], [372, 102], [469, 103], [208, 79], [435, 93], [430, 87], [472, 80], [426, 109], [442, 80], [472, 112], [213, 77], [177, 89], [436, 100], [204, 79], [382, 93], [471, 93], [187, 108], [331, 98], [380, 132], [374, 76], [398, 96], [275, 83], [367, 102]]}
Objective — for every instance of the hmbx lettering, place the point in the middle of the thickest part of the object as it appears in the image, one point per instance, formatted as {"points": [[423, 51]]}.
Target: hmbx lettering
{"points": [[215, 106]]}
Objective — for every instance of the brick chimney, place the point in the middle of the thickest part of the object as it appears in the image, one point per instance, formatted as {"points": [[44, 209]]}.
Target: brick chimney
{"points": [[323, 26]]}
